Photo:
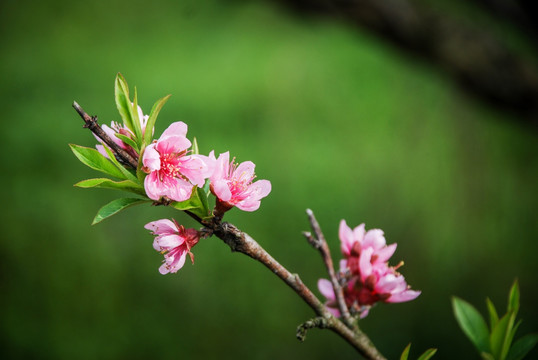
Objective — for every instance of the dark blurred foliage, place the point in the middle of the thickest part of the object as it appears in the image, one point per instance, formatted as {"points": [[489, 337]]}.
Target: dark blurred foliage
{"points": [[339, 120]]}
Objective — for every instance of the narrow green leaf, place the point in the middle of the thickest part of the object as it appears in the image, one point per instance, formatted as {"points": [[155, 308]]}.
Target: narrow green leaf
{"points": [[427, 354], [195, 204], [509, 338], [126, 173], [148, 135], [128, 141], [405, 353], [513, 297], [93, 159], [471, 323], [493, 317], [486, 356], [136, 120], [522, 347], [195, 146], [105, 183], [123, 103], [114, 207], [500, 334]]}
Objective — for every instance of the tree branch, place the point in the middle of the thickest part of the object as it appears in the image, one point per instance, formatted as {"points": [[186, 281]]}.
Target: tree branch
{"points": [[241, 242], [320, 243], [91, 123]]}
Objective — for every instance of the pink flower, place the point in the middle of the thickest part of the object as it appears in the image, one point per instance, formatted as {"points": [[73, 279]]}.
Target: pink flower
{"points": [[369, 278], [174, 241], [233, 185], [172, 173], [117, 128]]}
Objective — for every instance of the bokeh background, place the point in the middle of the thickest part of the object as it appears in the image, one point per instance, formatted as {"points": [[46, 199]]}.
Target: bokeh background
{"points": [[340, 120]]}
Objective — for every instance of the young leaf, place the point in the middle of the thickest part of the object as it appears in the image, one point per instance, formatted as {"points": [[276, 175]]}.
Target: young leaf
{"points": [[493, 317], [522, 347], [427, 354], [128, 141], [136, 120], [486, 356], [471, 323], [500, 335], [513, 298], [148, 135], [196, 204], [114, 207], [405, 353], [105, 183], [126, 173], [123, 103], [93, 159], [195, 146]]}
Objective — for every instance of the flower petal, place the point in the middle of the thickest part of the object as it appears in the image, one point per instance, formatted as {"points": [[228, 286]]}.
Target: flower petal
{"points": [[406, 295], [152, 158], [346, 237], [162, 226], [326, 289]]}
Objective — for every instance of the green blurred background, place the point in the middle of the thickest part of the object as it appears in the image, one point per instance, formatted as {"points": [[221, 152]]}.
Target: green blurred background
{"points": [[339, 121]]}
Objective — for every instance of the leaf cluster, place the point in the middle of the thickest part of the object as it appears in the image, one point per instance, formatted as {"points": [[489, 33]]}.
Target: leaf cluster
{"points": [[495, 342]]}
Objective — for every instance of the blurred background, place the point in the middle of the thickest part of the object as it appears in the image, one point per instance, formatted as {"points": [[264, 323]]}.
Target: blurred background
{"points": [[415, 119]]}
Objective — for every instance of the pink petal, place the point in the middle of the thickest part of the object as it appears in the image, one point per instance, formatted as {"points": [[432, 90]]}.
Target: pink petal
{"points": [[167, 242], [222, 165], [245, 170], [346, 237], [365, 266], [221, 190], [385, 253], [151, 158], [260, 189], [160, 227], [177, 189], [178, 128], [334, 311], [194, 168], [374, 238], [172, 144], [248, 205], [178, 262], [326, 289], [358, 233], [406, 295], [153, 185]]}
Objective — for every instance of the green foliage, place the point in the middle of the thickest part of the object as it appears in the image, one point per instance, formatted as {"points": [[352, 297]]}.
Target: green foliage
{"points": [[93, 159], [196, 204], [153, 117], [104, 183], [115, 206], [425, 356], [494, 343]]}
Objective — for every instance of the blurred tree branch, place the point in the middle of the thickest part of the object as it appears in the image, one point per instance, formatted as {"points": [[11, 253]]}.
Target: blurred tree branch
{"points": [[485, 65]]}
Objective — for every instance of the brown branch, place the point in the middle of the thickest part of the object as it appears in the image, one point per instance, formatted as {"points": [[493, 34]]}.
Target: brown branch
{"points": [[319, 242], [91, 123], [241, 242]]}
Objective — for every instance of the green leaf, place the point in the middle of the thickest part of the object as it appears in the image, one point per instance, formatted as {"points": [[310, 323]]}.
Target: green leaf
{"points": [[500, 336], [95, 160], [513, 298], [128, 141], [126, 173], [136, 120], [486, 356], [522, 347], [116, 206], [427, 354], [471, 323], [196, 204], [123, 103], [195, 146], [104, 183], [148, 135], [405, 353], [493, 317]]}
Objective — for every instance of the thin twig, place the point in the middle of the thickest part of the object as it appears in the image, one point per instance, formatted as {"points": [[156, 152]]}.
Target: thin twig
{"points": [[239, 241], [319, 242], [317, 322], [91, 123]]}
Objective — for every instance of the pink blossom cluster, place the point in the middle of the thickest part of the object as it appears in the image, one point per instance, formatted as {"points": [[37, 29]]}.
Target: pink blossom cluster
{"points": [[173, 173], [368, 277]]}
